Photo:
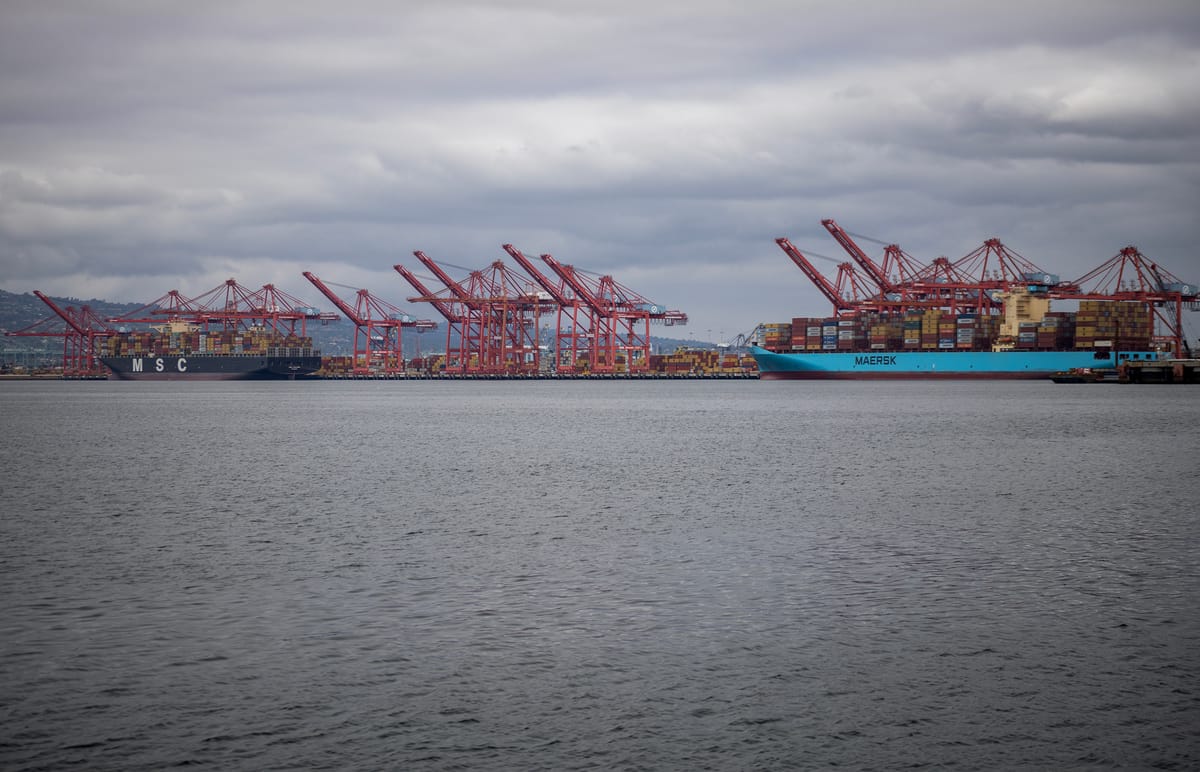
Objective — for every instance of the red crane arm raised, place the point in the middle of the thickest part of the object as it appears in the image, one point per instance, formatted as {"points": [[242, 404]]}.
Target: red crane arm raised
{"points": [[74, 324], [874, 272], [342, 305], [555, 290], [815, 276], [443, 306]]}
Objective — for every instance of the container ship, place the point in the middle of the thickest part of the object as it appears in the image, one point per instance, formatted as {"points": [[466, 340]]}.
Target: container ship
{"points": [[178, 351], [986, 315], [1027, 341]]}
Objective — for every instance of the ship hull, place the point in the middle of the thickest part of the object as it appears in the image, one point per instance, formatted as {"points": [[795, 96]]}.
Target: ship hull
{"points": [[211, 367], [929, 365]]}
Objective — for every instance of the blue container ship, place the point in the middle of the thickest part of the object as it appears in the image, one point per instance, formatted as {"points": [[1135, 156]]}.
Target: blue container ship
{"points": [[985, 316], [933, 364], [1023, 339]]}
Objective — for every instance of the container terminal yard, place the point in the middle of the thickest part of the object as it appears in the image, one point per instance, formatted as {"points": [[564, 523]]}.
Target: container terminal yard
{"points": [[986, 315], [493, 320]]}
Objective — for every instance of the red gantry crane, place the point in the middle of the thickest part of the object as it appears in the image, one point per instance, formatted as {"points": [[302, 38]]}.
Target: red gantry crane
{"points": [[498, 315], [82, 332], [835, 294], [451, 309], [52, 326], [234, 307], [971, 284], [1130, 276], [472, 333], [171, 306], [897, 268], [942, 284], [622, 318], [873, 271], [230, 306], [575, 326], [978, 282], [378, 327], [510, 320]]}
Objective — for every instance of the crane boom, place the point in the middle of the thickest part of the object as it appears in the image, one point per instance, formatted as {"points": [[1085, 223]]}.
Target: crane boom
{"points": [[874, 272], [333, 297], [441, 305], [555, 290], [581, 290], [459, 290], [70, 320], [815, 276], [79, 342], [575, 333], [378, 329]]}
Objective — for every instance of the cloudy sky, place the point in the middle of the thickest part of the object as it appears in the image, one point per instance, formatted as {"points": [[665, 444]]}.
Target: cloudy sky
{"points": [[146, 146]]}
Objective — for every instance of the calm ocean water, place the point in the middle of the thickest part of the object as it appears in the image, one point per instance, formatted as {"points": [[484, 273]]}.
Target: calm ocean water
{"points": [[554, 576]]}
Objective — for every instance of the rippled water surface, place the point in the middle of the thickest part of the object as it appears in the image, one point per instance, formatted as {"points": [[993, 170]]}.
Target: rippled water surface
{"points": [[550, 576]]}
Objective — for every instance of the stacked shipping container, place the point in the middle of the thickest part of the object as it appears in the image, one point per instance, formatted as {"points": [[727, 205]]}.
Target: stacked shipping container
{"points": [[918, 329], [1056, 331], [192, 342], [683, 362], [686, 361], [1121, 324], [778, 334]]}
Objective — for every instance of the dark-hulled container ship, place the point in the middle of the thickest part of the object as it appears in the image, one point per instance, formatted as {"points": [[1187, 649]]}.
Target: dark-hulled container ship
{"points": [[179, 351]]}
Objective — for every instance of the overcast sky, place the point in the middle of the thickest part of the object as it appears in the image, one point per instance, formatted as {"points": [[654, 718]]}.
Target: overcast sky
{"points": [[146, 147]]}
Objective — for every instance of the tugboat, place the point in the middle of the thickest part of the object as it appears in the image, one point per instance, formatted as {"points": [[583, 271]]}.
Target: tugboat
{"points": [[1087, 375]]}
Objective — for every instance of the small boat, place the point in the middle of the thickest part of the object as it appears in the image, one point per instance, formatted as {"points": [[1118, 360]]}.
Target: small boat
{"points": [[1087, 375]]}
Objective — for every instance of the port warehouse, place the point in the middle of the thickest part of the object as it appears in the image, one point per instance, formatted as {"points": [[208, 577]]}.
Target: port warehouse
{"points": [[992, 299]]}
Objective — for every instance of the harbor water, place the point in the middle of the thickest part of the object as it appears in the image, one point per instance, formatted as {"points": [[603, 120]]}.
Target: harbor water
{"points": [[657, 575]]}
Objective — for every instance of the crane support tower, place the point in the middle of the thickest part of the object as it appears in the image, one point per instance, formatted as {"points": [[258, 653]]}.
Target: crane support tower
{"points": [[496, 313], [621, 316], [82, 332], [1130, 276], [378, 328], [574, 330], [451, 309]]}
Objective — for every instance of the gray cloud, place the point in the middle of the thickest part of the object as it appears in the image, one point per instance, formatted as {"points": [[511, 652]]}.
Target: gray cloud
{"points": [[147, 148]]}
